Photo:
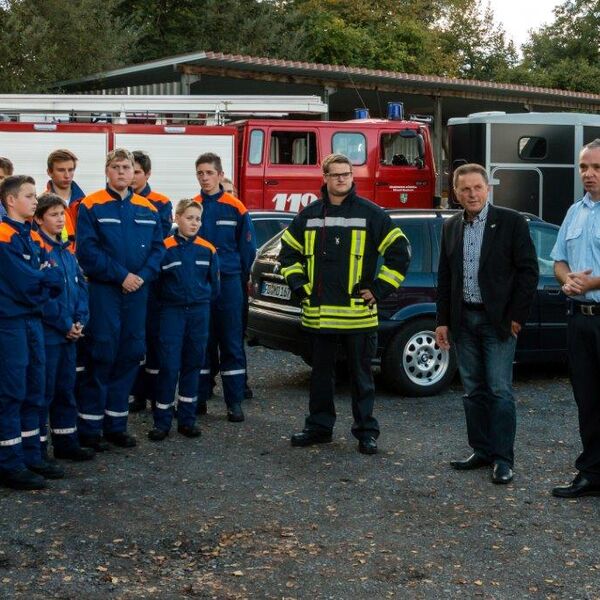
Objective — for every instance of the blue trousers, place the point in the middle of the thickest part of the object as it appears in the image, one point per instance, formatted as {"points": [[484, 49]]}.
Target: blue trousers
{"points": [[183, 338], [114, 348], [60, 405], [485, 364], [147, 376], [22, 368], [226, 331]]}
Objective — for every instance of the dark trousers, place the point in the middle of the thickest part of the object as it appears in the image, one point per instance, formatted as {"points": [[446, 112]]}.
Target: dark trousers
{"points": [[583, 345], [360, 351], [485, 364]]}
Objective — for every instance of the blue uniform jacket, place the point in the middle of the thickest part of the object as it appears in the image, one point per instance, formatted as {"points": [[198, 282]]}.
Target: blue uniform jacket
{"points": [[189, 272], [116, 237], [163, 206], [27, 280], [71, 306], [226, 224]]}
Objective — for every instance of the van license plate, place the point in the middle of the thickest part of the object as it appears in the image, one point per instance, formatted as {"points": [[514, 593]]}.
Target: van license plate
{"points": [[276, 290]]}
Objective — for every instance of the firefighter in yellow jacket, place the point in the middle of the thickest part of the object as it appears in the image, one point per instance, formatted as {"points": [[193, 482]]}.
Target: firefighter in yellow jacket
{"points": [[341, 255]]}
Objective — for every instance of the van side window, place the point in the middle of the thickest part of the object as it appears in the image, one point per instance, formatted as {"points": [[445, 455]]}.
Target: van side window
{"points": [[532, 148], [398, 151], [293, 148], [352, 145], [257, 138]]}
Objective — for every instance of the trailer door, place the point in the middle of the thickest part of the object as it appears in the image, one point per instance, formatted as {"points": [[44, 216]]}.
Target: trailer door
{"points": [[173, 151], [519, 188], [28, 145]]}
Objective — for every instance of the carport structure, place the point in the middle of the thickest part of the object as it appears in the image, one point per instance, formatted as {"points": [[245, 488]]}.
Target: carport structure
{"points": [[342, 88]]}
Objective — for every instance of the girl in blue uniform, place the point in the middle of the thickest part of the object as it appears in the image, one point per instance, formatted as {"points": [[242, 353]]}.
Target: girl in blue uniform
{"points": [[188, 281]]}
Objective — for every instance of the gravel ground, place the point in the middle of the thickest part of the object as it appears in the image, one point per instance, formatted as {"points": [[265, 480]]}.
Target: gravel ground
{"points": [[240, 514]]}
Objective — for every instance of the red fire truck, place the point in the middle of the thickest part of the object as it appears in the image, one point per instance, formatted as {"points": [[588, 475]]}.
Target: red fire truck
{"points": [[275, 163]]}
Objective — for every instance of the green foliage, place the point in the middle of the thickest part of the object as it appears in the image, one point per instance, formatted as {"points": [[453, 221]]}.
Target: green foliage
{"points": [[566, 53], [42, 41]]}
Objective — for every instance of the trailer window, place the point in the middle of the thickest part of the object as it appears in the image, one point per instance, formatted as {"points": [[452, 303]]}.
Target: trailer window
{"points": [[400, 151], [257, 138], [533, 148], [293, 148], [352, 145]]}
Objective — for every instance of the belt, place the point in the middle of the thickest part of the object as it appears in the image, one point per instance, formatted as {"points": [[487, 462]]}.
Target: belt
{"points": [[586, 308], [474, 306]]}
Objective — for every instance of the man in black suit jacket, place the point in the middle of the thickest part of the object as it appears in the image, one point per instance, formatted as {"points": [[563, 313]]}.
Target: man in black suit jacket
{"points": [[487, 279]]}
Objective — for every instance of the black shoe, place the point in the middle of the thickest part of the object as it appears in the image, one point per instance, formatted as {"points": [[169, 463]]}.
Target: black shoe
{"points": [[580, 486], [95, 442], [74, 453], [191, 432], [473, 462], [248, 393], [121, 439], [235, 414], [201, 408], [367, 445], [47, 470], [137, 405], [157, 435], [502, 473], [23, 480], [309, 438]]}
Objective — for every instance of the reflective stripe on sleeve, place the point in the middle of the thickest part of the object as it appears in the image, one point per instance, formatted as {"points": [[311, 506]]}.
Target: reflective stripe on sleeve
{"points": [[234, 372], [79, 369], [204, 371], [152, 371], [389, 239], [291, 241], [390, 276]]}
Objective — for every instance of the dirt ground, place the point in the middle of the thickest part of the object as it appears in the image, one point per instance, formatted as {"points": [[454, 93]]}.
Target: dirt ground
{"points": [[240, 514]]}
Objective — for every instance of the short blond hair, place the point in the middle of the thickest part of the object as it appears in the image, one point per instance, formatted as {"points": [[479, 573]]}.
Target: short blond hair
{"points": [[186, 203], [334, 159], [119, 154]]}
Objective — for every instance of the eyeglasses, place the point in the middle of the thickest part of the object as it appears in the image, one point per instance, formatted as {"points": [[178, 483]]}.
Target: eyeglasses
{"points": [[339, 175]]}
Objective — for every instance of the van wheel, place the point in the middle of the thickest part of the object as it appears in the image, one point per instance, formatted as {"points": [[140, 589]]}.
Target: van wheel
{"points": [[414, 365]]}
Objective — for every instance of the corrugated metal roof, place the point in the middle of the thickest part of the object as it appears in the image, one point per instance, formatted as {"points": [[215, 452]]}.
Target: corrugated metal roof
{"points": [[168, 69]]}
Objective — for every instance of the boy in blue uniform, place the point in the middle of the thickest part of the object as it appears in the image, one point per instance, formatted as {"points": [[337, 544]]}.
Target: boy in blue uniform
{"points": [[27, 281], [145, 383], [64, 318], [226, 224], [119, 247], [188, 281]]}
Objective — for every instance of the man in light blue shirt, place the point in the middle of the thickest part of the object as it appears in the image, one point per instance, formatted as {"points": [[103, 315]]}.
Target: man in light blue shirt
{"points": [[577, 267]]}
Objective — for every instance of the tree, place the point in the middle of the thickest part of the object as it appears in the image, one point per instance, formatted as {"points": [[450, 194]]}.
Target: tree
{"points": [[44, 41], [566, 53]]}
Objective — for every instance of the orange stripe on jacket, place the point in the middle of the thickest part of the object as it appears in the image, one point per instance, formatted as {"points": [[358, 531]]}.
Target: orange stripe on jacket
{"points": [[202, 242], [99, 197], [170, 242], [6, 233]]}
